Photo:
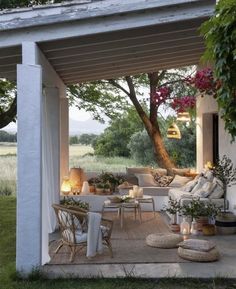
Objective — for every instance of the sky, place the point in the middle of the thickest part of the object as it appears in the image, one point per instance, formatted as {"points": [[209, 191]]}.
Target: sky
{"points": [[74, 113]]}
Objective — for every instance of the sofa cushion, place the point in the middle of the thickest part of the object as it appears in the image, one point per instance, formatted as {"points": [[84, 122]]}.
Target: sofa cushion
{"points": [[178, 193], [200, 182], [190, 185], [197, 244], [159, 172], [180, 172], [141, 170], [179, 181], [146, 180], [218, 191], [205, 190]]}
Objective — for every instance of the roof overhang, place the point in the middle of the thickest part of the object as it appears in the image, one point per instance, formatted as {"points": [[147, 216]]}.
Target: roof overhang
{"points": [[90, 40]]}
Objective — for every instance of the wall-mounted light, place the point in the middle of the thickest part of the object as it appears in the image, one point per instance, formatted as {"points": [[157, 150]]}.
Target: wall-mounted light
{"points": [[173, 132]]}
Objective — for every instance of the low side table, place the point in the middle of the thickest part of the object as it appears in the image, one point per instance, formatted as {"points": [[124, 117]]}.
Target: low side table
{"points": [[147, 200]]}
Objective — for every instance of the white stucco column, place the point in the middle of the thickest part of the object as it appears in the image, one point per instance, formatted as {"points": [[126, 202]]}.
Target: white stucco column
{"points": [[64, 139], [29, 160]]}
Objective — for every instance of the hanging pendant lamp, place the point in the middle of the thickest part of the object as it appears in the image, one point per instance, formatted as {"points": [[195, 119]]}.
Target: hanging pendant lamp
{"points": [[173, 132], [183, 116]]}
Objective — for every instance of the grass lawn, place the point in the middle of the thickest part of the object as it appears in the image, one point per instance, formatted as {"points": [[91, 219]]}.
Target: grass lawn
{"points": [[9, 280]]}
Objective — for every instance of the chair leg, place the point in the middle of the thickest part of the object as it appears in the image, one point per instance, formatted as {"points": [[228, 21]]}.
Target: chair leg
{"points": [[59, 247], [73, 251], [153, 207], [108, 243]]}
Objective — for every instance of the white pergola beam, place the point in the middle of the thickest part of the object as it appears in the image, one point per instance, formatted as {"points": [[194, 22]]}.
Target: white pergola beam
{"points": [[170, 12], [157, 60], [74, 80]]}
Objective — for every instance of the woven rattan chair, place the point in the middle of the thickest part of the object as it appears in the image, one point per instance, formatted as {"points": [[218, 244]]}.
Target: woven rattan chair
{"points": [[73, 225]]}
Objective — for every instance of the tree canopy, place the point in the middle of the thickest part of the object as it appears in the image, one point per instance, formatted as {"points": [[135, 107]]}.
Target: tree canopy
{"points": [[220, 39]]}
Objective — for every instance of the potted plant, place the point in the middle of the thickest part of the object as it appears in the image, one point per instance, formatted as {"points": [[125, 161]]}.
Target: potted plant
{"points": [[92, 184], [113, 180], [192, 211], [211, 211], [99, 189], [107, 188], [75, 204], [225, 171], [173, 208]]}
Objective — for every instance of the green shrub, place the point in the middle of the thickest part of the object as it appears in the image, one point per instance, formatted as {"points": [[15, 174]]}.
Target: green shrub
{"points": [[7, 188]]}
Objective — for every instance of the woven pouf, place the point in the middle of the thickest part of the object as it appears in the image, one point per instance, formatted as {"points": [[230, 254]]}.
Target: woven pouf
{"points": [[165, 241], [199, 256]]}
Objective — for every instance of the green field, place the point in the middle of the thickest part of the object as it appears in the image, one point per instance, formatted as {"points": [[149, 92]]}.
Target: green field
{"points": [[80, 156]]}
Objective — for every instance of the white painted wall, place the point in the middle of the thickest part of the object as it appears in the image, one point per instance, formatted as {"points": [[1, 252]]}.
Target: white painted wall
{"points": [[229, 149], [207, 105]]}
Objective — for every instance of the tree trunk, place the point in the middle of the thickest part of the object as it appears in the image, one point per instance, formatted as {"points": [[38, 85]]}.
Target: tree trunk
{"points": [[152, 127]]}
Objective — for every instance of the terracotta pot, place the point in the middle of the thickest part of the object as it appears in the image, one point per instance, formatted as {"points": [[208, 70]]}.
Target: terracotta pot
{"points": [[99, 191], [201, 220], [107, 191], [92, 189], [208, 230], [175, 228]]}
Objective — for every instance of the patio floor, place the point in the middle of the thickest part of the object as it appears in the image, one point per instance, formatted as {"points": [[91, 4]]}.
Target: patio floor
{"points": [[132, 257]]}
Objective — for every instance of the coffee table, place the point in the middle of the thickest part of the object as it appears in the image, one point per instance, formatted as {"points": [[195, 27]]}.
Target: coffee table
{"points": [[121, 206]]}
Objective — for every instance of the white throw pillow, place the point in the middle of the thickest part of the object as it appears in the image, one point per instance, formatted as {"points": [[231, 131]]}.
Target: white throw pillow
{"points": [[190, 185], [179, 181], [218, 191], [201, 181], [209, 175], [197, 245], [146, 180], [205, 191]]}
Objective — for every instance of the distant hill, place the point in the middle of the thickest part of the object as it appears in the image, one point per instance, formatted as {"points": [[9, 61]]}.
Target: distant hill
{"points": [[87, 126], [75, 127]]}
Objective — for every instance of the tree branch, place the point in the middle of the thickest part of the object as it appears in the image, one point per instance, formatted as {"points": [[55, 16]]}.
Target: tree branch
{"points": [[114, 83], [8, 116], [137, 105]]}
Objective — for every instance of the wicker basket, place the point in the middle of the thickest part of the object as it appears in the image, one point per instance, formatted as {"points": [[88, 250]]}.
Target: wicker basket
{"points": [[165, 241], [199, 256]]}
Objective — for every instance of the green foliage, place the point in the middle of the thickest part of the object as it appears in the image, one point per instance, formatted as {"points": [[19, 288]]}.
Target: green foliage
{"points": [[69, 201], [197, 208], [24, 3], [113, 142], [87, 139], [182, 151], [98, 97], [220, 37], [7, 137], [74, 139], [141, 148], [225, 171], [173, 207]]}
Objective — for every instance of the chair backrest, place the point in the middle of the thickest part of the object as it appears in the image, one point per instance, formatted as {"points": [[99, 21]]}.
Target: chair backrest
{"points": [[70, 222]]}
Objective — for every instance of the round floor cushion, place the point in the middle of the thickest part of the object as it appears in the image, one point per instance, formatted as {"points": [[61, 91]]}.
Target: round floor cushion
{"points": [[165, 241], [199, 256]]}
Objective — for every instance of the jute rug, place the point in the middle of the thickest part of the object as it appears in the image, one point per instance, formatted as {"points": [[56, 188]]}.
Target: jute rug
{"points": [[128, 243]]}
